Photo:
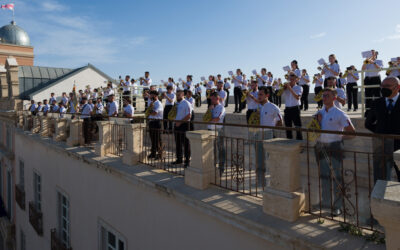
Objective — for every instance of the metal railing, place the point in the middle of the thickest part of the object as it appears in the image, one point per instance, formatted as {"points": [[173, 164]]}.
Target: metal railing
{"points": [[36, 218], [118, 138]]}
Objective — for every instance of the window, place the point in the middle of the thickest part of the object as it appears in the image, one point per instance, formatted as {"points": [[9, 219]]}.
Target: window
{"points": [[63, 219], [22, 242], [22, 174], [37, 187], [110, 239], [9, 194], [1, 181]]}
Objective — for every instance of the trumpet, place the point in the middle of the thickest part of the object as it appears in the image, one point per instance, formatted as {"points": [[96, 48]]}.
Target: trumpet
{"points": [[346, 73], [282, 88], [318, 97]]}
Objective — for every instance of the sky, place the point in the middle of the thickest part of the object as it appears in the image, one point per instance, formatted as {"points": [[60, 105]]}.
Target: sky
{"points": [[180, 37]]}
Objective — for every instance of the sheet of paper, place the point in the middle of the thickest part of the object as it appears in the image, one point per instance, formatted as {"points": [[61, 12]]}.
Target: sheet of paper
{"points": [[394, 59], [254, 72], [366, 54], [321, 61], [203, 78], [180, 79], [286, 68], [230, 73]]}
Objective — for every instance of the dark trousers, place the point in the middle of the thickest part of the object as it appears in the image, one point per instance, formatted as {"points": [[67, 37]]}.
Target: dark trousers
{"points": [[182, 141], [371, 92], [167, 124], [155, 137], [248, 114], [330, 158], [134, 102], [227, 98], [278, 99], [237, 95], [352, 92], [292, 117], [316, 91], [87, 127], [198, 100], [304, 97], [270, 98], [191, 128], [383, 159]]}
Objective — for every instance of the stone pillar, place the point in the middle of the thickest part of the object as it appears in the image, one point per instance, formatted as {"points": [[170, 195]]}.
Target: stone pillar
{"points": [[75, 133], [60, 129], [103, 145], [283, 198], [202, 170], [50, 125], [396, 157], [27, 122], [43, 125], [134, 136], [3, 82], [12, 77], [385, 207], [36, 124]]}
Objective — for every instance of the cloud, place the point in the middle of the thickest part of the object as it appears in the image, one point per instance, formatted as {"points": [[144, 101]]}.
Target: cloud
{"points": [[319, 35], [395, 36], [53, 6]]}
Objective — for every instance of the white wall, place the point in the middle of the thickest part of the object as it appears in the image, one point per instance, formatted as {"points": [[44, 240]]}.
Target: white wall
{"points": [[145, 217], [81, 79]]}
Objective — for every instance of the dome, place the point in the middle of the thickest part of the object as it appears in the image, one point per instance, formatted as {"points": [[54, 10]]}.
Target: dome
{"points": [[13, 34]]}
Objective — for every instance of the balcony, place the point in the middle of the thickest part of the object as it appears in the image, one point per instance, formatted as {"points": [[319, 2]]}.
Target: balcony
{"points": [[20, 196], [36, 218], [56, 242]]}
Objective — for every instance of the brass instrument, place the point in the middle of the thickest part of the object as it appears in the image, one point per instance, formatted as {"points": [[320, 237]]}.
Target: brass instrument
{"points": [[281, 90], [245, 92], [149, 110], [318, 96], [208, 93], [346, 73], [254, 118], [172, 113], [313, 125], [207, 116]]}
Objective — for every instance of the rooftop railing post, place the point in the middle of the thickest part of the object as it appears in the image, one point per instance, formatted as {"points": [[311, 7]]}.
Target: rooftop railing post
{"points": [[385, 207], [103, 145], [36, 124], [60, 129], [43, 125], [201, 171], [362, 94], [134, 141], [75, 133], [283, 198]]}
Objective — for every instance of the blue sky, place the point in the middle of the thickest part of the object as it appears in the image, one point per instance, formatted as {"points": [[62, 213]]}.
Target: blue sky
{"points": [[177, 37]]}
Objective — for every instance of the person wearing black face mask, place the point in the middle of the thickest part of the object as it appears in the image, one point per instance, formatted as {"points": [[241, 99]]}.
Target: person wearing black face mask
{"points": [[384, 118]]}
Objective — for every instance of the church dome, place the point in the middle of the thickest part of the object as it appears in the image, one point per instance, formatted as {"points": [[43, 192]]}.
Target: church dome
{"points": [[13, 34]]}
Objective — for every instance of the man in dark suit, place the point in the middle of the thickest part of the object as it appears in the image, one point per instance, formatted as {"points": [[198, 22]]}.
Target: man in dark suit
{"points": [[384, 118]]}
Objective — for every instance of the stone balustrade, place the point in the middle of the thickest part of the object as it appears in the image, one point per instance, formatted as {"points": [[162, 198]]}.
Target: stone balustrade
{"points": [[102, 147], [134, 138], [75, 133]]}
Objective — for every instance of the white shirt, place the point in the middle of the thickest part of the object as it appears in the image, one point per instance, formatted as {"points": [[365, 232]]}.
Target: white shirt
{"points": [[127, 85], [86, 110], [269, 114], [72, 107], [222, 95], [342, 94], [236, 79], [371, 66], [158, 108], [33, 107], [39, 108], [297, 72], [191, 101], [217, 112], [188, 85], [198, 90], [303, 79], [55, 108], [171, 96], [52, 99], [335, 120], [108, 91], [183, 109], [100, 108], [244, 85], [290, 101], [227, 85], [351, 79], [62, 110], [251, 104], [46, 108], [134, 88], [335, 67], [149, 82], [395, 73], [319, 82], [210, 85], [128, 109], [64, 100], [112, 108], [342, 81], [260, 81]]}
